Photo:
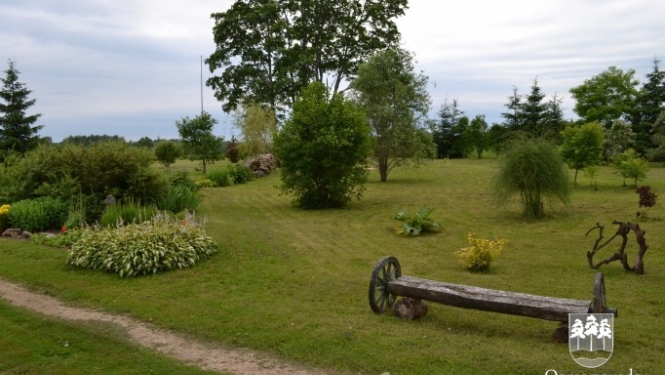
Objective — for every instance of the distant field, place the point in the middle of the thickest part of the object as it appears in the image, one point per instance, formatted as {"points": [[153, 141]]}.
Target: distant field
{"points": [[294, 282]]}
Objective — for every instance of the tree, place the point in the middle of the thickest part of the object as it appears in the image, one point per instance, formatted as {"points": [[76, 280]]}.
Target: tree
{"points": [[145, 142], [532, 169], [658, 138], [532, 116], [477, 135], [323, 149], [270, 50], [582, 146], [17, 132], [650, 103], [618, 139], [630, 165], [606, 97], [167, 152], [395, 99], [233, 150], [258, 126], [198, 140], [443, 131]]}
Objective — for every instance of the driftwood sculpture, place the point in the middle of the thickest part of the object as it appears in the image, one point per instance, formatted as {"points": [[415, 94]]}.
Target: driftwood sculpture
{"points": [[620, 255]]}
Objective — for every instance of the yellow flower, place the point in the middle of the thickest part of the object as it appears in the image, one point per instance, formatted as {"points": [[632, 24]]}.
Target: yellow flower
{"points": [[479, 254], [4, 209]]}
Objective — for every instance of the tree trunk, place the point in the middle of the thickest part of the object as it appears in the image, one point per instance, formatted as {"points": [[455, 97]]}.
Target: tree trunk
{"points": [[575, 181], [383, 168], [204, 166]]}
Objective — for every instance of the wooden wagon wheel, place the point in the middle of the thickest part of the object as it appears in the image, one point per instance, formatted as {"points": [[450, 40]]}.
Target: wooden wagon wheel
{"points": [[386, 270], [599, 302]]}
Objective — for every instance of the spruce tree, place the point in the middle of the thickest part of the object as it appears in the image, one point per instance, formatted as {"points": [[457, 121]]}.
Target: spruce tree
{"points": [[17, 132], [650, 103]]}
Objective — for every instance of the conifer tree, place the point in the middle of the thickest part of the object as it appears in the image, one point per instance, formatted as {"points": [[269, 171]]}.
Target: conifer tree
{"points": [[17, 132]]}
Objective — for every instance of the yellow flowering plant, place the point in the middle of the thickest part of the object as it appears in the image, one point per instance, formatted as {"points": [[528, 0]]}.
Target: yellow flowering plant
{"points": [[4, 220], [478, 256]]}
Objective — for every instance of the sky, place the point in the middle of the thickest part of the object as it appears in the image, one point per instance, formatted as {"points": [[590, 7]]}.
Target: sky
{"points": [[133, 68]]}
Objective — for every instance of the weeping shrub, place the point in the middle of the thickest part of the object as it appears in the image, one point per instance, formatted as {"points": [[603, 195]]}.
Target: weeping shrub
{"points": [[533, 170]]}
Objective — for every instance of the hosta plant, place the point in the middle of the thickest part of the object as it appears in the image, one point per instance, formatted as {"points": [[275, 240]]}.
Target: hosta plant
{"points": [[414, 224], [478, 256], [161, 244]]}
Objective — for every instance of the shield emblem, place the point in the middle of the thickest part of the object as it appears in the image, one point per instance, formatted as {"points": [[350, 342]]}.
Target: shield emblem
{"points": [[591, 338]]}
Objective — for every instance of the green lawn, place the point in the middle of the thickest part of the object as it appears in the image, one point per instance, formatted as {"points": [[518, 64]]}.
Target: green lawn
{"points": [[294, 282]]}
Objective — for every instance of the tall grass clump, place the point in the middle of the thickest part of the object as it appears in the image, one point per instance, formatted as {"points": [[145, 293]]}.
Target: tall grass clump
{"points": [[220, 177], [161, 244], [127, 211], [533, 170]]}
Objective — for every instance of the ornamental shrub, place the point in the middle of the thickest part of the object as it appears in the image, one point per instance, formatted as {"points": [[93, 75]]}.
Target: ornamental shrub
{"points": [[179, 198], [161, 244], [414, 224], [127, 211], [240, 174], [220, 177], [205, 183], [38, 214], [478, 256]]}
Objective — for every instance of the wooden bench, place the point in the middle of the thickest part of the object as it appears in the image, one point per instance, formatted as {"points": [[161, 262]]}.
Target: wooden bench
{"points": [[387, 283]]}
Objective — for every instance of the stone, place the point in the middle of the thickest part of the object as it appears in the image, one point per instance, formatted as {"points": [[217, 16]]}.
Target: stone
{"points": [[12, 232]]}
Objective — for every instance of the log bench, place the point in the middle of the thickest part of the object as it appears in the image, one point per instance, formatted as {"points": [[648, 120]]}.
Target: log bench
{"points": [[387, 283]]}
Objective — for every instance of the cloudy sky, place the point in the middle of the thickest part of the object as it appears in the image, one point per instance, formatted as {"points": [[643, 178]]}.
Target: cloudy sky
{"points": [[132, 68]]}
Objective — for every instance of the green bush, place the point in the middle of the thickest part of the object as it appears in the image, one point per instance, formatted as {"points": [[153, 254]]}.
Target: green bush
{"points": [[220, 177], [240, 174], [38, 214], [127, 211], [65, 171], [167, 152], [65, 239], [414, 224], [162, 244]]}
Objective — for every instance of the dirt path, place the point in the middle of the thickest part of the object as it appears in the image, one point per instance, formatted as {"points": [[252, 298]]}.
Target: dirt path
{"points": [[205, 355]]}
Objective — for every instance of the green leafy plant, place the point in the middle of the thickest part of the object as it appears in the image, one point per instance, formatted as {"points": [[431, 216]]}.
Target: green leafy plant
{"points": [[38, 214], [204, 183], [647, 199], [126, 211], [65, 239], [167, 152], [220, 177], [240, 174], [179, 198], [478, 256], [414, 224], [629, 165], [161, 244]]}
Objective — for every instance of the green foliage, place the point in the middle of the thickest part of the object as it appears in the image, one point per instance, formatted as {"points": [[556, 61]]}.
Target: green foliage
{"points": [[444, 130], [414, 224], [16, 131], [258, 125], [220, 177], [394, 99], [167, 152], [629, 165], [205, 183], [38, 214], [618, 139], [582, 146], [322, 148], [178, 198], [476, 135], [533, 170], [658, 139], [198, 140], [606, 97], [269, 51], [158, 245], [531, 117], [65, 239], [126, 211], [95, 171], [239, 174], [478, 256]]}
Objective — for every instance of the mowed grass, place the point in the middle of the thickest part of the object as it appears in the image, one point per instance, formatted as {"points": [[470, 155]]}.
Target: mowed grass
{"points": [[294, 282]]}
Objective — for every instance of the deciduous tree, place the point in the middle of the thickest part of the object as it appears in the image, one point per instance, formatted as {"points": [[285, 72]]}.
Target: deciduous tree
{"points": [[167, 152], [582, 146], [269, 50], [17, 130], [198, 140], [395, 101], [258, 126]]}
